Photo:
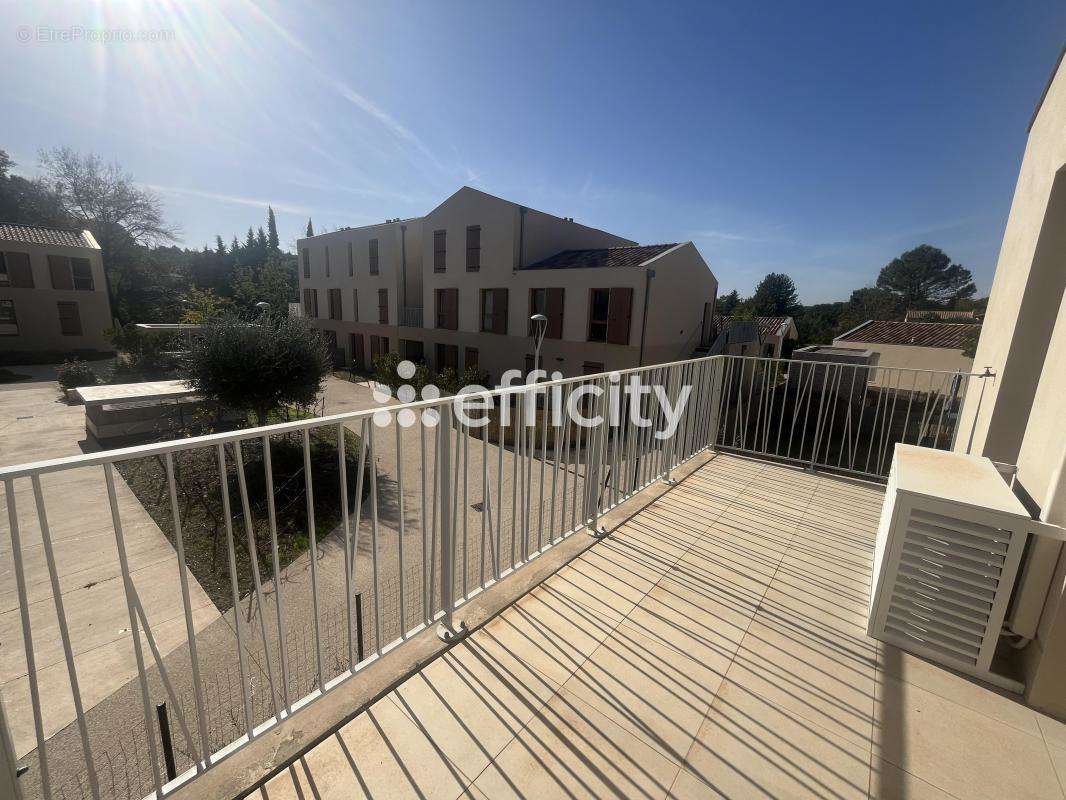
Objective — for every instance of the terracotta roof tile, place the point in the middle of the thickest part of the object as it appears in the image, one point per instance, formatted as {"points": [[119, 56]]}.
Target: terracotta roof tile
{"points": [[41, 234], [952, 335], [632, 256]]}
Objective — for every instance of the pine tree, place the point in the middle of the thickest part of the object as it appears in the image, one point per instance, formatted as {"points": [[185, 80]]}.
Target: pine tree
{"points": [[272, 230], [261, 240], [220, 247], [310, 229], [249, 240], [234, 247]]}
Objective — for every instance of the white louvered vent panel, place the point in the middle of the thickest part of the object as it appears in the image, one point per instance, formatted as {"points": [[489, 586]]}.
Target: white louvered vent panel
{"points": [[943, 571]]}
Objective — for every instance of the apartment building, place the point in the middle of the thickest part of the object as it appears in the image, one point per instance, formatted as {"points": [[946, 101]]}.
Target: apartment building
{"points": [[53, 294], [457, 287]]}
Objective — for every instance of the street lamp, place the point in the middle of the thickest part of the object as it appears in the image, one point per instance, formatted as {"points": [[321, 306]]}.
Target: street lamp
{"points": [[263, 306], [538, 327]]}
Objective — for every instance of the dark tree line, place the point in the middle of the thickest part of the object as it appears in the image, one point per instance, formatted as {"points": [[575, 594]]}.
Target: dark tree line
{"points": [[149, 278]]}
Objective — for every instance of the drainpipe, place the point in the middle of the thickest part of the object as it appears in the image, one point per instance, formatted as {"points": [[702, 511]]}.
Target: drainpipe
{"points": [[521, 235], [648, 275], [403, 267]]}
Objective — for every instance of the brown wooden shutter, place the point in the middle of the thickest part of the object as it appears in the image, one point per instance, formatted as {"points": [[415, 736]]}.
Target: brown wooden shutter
{"points": [[355, 345], [473, 248], [383, 306], [554, 313], [351, 261], [19, 271], [499, 311], [452, 305], [373, 256], [470, 357], [440, 251], [59, 267], [69, 319], [619, 312]]}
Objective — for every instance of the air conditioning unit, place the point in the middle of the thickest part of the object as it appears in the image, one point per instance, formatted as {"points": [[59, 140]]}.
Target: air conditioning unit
{"points": [[948, 548]]}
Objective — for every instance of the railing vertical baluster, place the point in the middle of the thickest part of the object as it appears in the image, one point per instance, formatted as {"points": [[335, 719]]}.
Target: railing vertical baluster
{"points": [[353, 553], [543, 465], [484, 503], [515, 444], [434, 513], [268, 470], [127, 584], [427, 555], [342, 468], [399, 516], [464, 432], [310, 498], [551, 401], [568, 423], [497, 533], [372, 453], [186, 603], [64, 634], [447, 629], [27, 639]]}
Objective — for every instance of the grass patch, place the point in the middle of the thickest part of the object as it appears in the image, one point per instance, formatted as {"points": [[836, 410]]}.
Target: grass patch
{"points": [[202, 511]]}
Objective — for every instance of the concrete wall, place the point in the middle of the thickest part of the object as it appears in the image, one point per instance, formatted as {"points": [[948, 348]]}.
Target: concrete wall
{"points": [[1020, 418], [37, 312]]}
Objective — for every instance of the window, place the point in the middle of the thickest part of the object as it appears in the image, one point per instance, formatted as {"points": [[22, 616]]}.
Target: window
{"points": [[548, 302], [69, 319], [373, 256], [440, 250], [335, 311], [413, 350], [15, 270], [447, 356], [70, 273], [305, 257], [470, 358], [473, 248], [494, 310], [379, 346], [592, 368], [9, 324], [383, 306], [82, 271], [311, 303], [609, 315], [326, 249], [448, 309], [355, 350], [351, 262], [355, 305]]}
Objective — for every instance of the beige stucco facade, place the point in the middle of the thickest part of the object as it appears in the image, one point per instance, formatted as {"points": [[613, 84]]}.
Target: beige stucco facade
{"points": [[37, 332], [1021, 418], [890, 357], [677, 283]]}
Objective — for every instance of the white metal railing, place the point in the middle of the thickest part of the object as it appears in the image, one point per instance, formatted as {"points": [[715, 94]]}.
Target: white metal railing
{"points": [[438, 510], [839, 416], [411, 316], [465, 512]]}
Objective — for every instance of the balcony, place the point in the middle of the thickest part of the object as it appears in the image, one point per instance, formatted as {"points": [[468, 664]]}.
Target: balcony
{"points": [[410, 316], [712, 643]]}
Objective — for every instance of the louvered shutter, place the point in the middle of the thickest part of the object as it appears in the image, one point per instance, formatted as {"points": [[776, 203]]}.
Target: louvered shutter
{"points": [[619, 312]]}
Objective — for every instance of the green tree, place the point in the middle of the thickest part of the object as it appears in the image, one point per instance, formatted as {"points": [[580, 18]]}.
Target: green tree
{"points": [[775, 296], [261, 241], [249, 242], [276, 283], [220, 247], [272, 230], [258, 364], [926, 276], [310, 228], [727, 303], [201, 306]]}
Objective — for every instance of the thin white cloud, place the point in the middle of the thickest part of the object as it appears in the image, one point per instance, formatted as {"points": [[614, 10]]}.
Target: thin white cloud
{"points": [[230, 199], [722, 236]]}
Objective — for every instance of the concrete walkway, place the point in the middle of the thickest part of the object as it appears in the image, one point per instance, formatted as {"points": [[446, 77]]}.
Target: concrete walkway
{"points": [[35, 424]]}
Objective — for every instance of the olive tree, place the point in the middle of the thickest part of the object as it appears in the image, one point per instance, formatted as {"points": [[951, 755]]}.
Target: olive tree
{"points": [[258, 364]]}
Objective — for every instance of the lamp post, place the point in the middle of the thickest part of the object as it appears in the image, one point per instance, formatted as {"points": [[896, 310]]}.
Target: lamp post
{"points": [[263, 306], [538, 327]]}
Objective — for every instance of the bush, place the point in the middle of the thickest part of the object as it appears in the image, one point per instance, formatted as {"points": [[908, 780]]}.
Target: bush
{"points": [[258, 365], [72, 374], [143, 356]]}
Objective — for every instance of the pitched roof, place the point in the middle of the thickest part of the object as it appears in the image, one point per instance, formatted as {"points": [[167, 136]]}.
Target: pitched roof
{"points": [[951, 335], [633, 256], [42, 234], [940, 315], [768, 326]]}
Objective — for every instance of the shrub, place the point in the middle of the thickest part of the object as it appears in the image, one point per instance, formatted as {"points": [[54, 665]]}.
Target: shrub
{"points": [[258, 365], [75, 373]]}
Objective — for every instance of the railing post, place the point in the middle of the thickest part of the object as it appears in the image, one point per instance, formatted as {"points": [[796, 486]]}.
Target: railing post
{"points": [[717, 382], [9, 782], [673, 386], [447, 629], [596, 451]]}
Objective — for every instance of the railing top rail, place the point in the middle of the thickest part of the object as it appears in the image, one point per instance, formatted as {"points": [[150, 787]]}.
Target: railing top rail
{"points": [[243, 434], [986, 374]]}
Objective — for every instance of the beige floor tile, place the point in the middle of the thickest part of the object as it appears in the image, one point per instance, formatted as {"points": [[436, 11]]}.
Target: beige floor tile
{"points": [[1058, 759], [889, 782], [471, 705], [957, 688], [749, 747], [570, 750], [735, 556], [649, 688], [380, 754], [959, 750], [546, 632], [824, 676], [791, 594], [593, 589], [1054, 731]]}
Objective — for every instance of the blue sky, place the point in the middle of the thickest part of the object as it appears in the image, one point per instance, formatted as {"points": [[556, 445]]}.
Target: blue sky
{"points": [[818, 139]]}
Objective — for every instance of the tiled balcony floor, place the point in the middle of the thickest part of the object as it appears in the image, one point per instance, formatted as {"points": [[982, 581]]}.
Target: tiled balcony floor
{"points": [[712, 646]]}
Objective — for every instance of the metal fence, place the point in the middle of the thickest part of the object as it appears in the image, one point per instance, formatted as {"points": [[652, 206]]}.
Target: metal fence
{"points": [[837, 416], [454, 509], [411, 316]]}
